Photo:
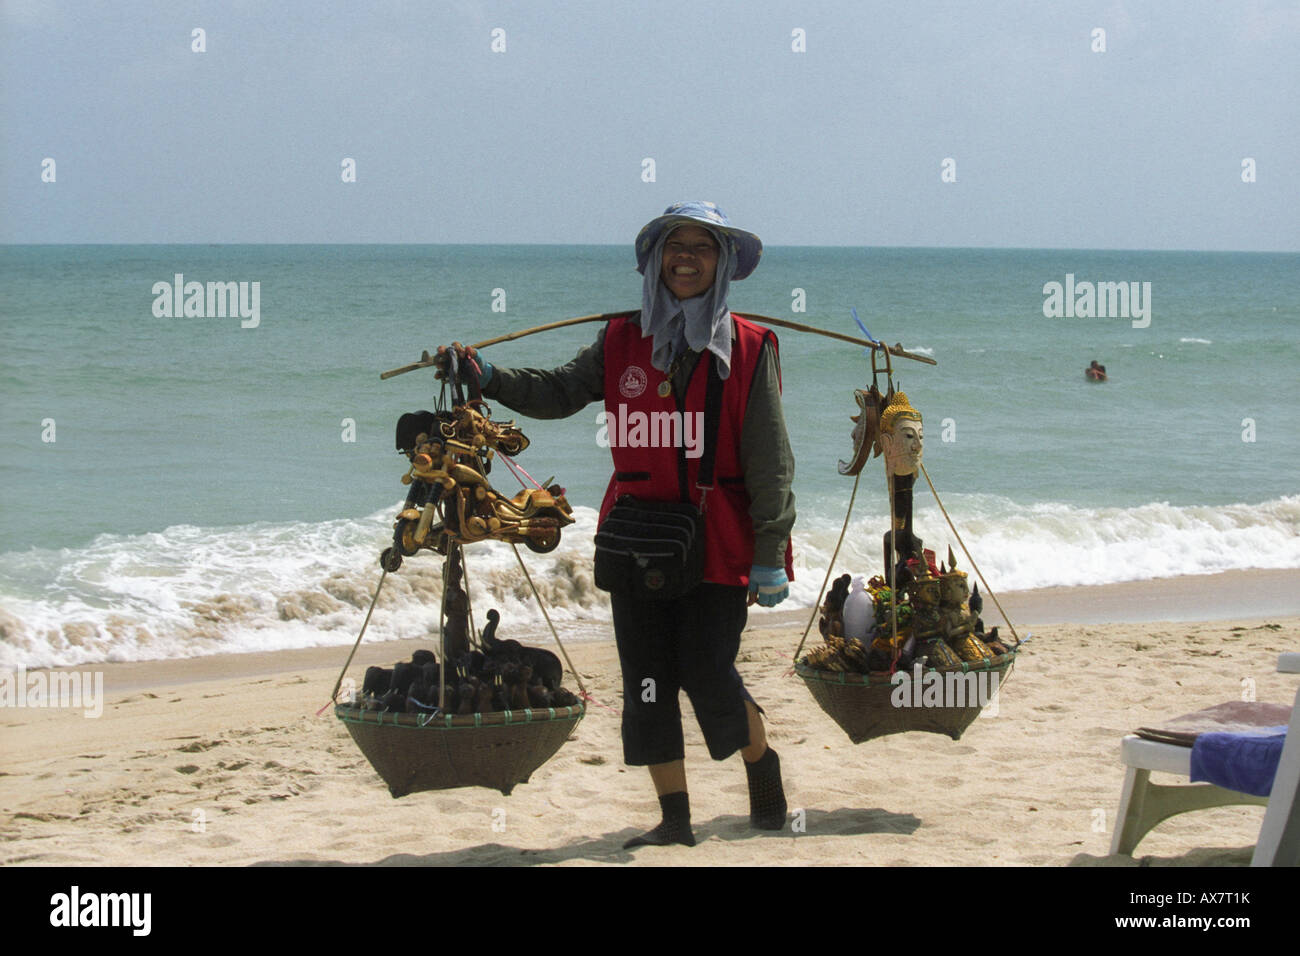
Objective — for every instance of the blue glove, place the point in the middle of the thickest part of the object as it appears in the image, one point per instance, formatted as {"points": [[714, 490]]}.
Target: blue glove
{"points": [[485, 368], [770, 585]]}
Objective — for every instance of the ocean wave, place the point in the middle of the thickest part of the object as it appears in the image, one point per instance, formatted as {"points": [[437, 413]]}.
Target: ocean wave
{"points": [[190, 592], [1021, 547], [1197, 341]]}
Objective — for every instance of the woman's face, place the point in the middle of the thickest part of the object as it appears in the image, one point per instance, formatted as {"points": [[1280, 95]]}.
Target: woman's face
{"points": [[689, 262]]}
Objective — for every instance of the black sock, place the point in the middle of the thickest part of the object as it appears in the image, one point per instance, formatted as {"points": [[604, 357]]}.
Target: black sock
{"points": [[675, 826], [767, 806]]}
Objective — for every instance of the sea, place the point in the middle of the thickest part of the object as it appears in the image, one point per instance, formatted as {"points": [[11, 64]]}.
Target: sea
{"points": [[175, 485]]}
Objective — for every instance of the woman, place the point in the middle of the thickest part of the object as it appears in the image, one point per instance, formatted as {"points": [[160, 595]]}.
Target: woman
{"points": [[662, 360]]}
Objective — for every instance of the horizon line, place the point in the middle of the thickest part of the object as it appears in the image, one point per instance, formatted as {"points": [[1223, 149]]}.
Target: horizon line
{"points": [[620, 245]]}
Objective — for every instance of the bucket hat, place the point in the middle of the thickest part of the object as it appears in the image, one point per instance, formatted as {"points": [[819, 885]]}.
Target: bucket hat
{"points": [[745, 246]]}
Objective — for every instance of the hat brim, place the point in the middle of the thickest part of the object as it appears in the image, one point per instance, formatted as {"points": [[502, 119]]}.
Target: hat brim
{"points": [[749, 248]]}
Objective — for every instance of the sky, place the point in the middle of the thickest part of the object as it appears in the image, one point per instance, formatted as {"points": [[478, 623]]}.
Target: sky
{"points": [[991, 124]]}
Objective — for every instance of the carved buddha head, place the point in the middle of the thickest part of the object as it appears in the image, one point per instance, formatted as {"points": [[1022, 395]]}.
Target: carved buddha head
{"points": [[902, 436]]}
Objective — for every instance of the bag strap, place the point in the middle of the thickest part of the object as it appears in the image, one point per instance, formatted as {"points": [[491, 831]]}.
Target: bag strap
{"points": [[712, 420]]}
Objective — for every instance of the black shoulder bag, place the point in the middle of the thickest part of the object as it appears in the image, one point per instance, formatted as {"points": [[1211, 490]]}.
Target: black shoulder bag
{"points": [[654, 550]]}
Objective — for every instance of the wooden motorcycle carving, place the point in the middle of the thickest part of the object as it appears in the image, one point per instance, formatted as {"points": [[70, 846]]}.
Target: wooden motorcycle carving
{"points": [[450, 498]]}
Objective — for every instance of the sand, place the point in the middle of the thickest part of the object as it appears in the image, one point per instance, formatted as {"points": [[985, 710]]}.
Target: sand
{"points": [[222, 761]]}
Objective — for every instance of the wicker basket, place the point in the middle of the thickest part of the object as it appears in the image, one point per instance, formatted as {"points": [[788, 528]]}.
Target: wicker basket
{"points": [[496, 750], [864, 704]]}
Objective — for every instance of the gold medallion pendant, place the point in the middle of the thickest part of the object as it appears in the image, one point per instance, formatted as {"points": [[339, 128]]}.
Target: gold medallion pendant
{"points": [[666, 386]]}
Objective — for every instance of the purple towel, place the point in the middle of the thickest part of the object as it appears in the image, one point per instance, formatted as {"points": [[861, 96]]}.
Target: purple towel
{"points": [[1243, 762]]}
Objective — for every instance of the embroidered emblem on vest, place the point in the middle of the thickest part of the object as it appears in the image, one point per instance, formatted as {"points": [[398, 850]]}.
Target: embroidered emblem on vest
{"points": [[633, 382]]}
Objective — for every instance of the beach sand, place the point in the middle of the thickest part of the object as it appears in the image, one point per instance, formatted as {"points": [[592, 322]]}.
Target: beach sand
{"points": [[222, 761]]}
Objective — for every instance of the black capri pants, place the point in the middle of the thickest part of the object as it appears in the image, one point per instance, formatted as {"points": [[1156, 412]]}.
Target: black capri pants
{"points": [[685, 644]]}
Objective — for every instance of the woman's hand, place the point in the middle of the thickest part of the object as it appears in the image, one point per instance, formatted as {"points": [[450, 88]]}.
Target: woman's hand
{"points": [[768, 586], [464, 353]]}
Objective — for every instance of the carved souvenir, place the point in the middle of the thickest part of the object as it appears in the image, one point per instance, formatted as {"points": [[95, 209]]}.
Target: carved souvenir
{"points": [[832, 620], [901, 437], [866, 433], [927, 621], [451, 500], [954, 622], [925, 591], [970, 648], [938, 654], [926, 618]]}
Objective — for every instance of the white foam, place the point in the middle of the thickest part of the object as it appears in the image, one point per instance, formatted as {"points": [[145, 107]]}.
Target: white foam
{"points": [[1051, 544], [190, 592]]}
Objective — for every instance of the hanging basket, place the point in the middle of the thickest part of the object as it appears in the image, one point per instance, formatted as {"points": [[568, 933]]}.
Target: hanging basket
{"points": [[946, 701], [496, 750]]}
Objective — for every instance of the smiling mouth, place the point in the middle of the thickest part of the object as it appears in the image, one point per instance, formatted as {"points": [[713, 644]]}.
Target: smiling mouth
{"points": [[685, 271]]}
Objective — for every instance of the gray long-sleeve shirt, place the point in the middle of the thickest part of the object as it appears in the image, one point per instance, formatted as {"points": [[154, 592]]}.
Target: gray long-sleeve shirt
{"points": [[765, 456]]}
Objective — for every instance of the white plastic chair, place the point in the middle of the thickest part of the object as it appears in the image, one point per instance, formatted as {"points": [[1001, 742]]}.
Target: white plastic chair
{"points": [[1143, 804]]}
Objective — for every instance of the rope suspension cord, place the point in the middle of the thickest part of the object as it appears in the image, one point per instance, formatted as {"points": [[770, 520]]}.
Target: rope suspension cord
{"points": [[964, 549], [542, 604], [427, 360], [442, 640], [830, 567], [469, 603], [891, 568], [516, 469], [339, 683], [891, 565]]}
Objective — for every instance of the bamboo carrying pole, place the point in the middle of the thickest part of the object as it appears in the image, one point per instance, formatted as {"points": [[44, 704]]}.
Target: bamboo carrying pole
{"points": [[427, 360]]}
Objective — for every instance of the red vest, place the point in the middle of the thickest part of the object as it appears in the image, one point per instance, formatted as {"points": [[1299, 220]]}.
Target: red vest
{"points": [[650, 466]]}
